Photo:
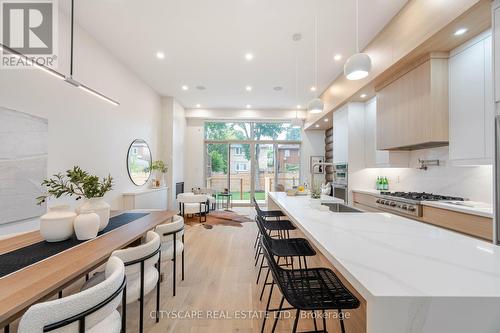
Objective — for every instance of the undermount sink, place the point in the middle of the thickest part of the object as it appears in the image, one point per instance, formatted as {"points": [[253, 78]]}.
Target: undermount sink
{"points": [[341, 208]]}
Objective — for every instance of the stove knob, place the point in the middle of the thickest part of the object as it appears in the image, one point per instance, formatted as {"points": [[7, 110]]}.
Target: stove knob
{"points": [[387, 203], [411, 208], [393, 204], [404, 207], [381, 202], [378, 201]]}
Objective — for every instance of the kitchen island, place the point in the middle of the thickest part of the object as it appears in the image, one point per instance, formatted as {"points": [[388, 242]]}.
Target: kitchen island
{"points": [[414, 277]]}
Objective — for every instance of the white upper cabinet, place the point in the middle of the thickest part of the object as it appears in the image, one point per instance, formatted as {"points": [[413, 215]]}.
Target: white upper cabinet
{"points": [[471, 102], [496, 52], [340, 135], [375, 158]]}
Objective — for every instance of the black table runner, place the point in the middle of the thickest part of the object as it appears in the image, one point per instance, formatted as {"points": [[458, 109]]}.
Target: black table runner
{"points": [[31, 254]]}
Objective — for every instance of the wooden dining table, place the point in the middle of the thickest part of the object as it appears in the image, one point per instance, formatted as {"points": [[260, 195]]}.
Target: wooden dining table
{"points": [[22, 288]]}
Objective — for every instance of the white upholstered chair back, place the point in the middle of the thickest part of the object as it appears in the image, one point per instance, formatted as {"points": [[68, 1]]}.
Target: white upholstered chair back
{"points": [[176, 224], [192, 198], [42, 314], [152, 243]]}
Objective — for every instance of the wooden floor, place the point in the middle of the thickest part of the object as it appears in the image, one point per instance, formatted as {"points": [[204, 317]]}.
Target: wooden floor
{"points": [[219, 288]]}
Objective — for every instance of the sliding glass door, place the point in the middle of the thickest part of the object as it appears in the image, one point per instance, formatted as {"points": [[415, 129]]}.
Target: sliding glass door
{"points": [[251, 158], [264, 170], [240, 171], [217, 161]]}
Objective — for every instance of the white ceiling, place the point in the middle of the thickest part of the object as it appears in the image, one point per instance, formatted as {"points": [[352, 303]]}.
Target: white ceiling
{"points": [[205, 42]]}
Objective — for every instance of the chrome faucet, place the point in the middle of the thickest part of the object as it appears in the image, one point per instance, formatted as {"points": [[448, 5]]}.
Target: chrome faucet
{"points": [[319, 164]]}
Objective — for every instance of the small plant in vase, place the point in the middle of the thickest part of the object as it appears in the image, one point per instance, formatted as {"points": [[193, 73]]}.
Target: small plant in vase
{"points": [[316, 190], [160, 169], [81, 184]]}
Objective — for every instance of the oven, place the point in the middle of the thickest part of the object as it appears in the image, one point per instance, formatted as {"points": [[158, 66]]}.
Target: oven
{"points": [[339, 186]]}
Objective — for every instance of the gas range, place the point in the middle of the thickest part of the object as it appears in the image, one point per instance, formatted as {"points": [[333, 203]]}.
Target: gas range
{"points": [[409, 203]]}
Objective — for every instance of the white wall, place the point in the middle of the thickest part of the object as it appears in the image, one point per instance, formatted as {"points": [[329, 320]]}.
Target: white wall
{"points": [[85, 130], [173, 138], [195, 171], [313, 144]]}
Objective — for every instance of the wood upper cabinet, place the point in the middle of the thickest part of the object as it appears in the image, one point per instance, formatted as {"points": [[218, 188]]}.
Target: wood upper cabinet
{"points": [[379, 158], [412, 110]]}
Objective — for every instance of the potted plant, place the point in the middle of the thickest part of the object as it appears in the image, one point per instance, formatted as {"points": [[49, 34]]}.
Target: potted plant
{"points": [[79, 183], [160, 169]]}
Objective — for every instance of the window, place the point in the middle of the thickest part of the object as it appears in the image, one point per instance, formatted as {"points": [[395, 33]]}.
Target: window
{"points": [[244, 131], [228, 131], [241, 167], [238, 151], [287, 153]]}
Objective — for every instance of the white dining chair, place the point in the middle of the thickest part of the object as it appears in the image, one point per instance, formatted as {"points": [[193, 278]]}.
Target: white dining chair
{"points": [[193, 204], [142, 268], [172, 243], [92, 310]]}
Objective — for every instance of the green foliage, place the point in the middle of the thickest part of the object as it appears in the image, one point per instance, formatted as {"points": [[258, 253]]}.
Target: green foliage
{"points": [[218, 163], [76, 182], [160, 166]]}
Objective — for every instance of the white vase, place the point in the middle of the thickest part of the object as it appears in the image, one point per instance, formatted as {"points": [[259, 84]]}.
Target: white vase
{"points": [[98, 206], [86, 225], [57, 224]]}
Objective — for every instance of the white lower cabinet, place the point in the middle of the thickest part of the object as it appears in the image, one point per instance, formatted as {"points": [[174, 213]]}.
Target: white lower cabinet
{"points": [[471, 103]]}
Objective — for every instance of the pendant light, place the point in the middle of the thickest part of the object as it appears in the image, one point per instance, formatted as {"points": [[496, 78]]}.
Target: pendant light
{"points": [[296, 122], [316, 105], [358, 66]]}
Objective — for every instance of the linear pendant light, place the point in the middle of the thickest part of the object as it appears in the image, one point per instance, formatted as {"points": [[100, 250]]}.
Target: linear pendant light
{"points": [[69, 79], [296, 122], [316, 105], [358, 66]]}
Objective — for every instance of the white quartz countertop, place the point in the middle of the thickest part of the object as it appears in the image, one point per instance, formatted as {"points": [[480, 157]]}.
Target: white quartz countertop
{"points": [[382, 254]]}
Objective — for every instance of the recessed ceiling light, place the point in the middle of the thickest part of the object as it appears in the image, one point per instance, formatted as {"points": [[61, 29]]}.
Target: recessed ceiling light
{"points": [[160, 55], [278, 88], [248, 88], [184, 87], [362, 95], [326, 119], [460, 31], [248, 106], [337, 57], [198, 106], [317, 125], [313, 88], [299, 106], [249, 56], [201, 87]]}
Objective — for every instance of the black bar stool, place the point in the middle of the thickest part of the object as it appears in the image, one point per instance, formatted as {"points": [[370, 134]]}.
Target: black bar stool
{"points": [[311, 289], [282, 227], [283, 248]]}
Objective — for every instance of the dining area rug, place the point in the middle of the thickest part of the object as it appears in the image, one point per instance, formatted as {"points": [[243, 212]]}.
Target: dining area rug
{"points": [[226, 218]]}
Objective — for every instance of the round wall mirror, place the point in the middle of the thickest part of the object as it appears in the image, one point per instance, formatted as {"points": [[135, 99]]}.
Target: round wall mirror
{"points": [[139, 162]]}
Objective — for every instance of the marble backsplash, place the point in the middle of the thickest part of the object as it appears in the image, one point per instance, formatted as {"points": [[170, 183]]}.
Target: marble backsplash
{"points": [[471, 182]]}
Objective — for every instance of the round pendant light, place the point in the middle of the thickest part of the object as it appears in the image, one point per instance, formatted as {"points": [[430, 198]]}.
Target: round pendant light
{"points": [[359, 65], [316, 106]]}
